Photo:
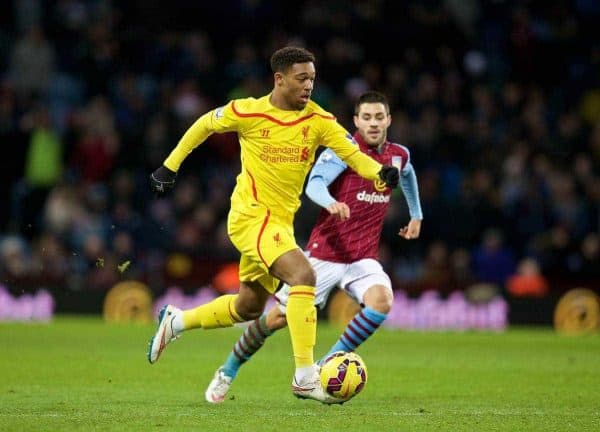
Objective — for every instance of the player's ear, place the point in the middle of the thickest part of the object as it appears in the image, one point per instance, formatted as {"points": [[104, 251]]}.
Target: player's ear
{"points": [[278, 76], [355, 118], [389, 120]]}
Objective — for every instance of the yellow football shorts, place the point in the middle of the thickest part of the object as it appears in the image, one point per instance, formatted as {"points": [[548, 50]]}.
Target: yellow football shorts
{"points": [[261, 238]]}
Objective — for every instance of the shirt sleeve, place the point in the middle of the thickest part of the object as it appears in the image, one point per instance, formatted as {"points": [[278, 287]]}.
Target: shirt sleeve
{"points": [[342, 143], [327, 168], [219, 120], [410, 188]]}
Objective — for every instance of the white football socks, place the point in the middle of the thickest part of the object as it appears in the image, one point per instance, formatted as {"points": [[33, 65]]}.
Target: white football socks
{"points": [[177, 323], [303, 374]]}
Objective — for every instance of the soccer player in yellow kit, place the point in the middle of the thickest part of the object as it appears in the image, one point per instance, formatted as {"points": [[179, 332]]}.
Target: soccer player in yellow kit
{"points": [[279, 134]]}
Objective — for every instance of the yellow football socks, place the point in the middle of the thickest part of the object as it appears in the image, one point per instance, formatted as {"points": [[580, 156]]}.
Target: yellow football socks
{"points": [[218, 313], [302, 322]]}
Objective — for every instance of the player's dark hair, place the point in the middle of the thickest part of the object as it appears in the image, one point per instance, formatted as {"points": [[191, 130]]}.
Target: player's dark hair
{"points": [[371, 97], [284, 58]]}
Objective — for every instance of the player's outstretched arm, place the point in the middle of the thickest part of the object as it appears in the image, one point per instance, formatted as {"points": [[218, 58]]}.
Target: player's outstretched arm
{"points": [[192, 138], [163, 178], [218, 120], [327, 168], [338, 139], [341, 141], [410, 188], [368, 168]]}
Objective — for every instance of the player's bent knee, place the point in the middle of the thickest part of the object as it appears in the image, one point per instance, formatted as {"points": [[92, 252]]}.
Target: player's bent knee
{"points": [[309, 276], [304, 275], [249, 314], [380, 298], [249, 310], [294, 269]]}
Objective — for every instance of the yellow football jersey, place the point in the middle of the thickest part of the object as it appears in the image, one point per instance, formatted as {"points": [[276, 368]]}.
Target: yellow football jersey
{"points": [[277, 150]]}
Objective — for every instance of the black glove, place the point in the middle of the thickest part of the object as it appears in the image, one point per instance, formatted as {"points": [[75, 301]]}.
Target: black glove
{"points": [[162, 180], [390, 175]]}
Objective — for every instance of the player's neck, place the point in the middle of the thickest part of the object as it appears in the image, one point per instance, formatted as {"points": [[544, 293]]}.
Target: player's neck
{"points": [[377, 147], [279, 102]]}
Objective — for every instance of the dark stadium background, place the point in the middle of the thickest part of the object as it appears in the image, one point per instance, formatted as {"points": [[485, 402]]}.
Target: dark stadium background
{"points": [[498, 101]]}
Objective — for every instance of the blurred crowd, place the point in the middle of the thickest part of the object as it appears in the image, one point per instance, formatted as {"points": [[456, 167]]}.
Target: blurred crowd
{"points": [[497, 100]]}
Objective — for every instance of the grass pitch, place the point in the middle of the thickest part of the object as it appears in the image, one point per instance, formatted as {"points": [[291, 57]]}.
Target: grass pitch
{"points": [[82, 374]]}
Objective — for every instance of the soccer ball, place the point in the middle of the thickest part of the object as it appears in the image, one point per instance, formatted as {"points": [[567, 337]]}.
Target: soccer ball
{"points": [[343, 375]]}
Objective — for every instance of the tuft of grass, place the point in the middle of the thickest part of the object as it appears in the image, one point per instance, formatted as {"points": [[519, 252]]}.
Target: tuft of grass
{"points": [[78, 373]]}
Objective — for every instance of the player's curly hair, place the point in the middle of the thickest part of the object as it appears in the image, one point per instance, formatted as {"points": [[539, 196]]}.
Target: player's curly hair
{"points": [[284, 58], [371, 97]]}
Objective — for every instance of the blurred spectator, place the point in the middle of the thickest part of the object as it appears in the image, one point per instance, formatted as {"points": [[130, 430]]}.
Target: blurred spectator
{"points": [[588, 259], [15, 262], [50, 260], [32, 63], [436, 273], [462, 273], [493, 262], [43, 163], [528, 281], [97, 142], [43, 170], [63, 207], [243, 64]]}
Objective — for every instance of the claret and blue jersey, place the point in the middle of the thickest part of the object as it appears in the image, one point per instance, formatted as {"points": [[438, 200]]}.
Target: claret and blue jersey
{"points": [[358, 237]]}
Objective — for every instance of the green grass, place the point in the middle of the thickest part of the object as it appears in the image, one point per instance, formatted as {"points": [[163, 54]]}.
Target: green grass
{"points": [[82, 374]]}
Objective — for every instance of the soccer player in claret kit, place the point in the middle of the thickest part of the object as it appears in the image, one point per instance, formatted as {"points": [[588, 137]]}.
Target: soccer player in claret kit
{"points": [[343, 246], [279, 134]]}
